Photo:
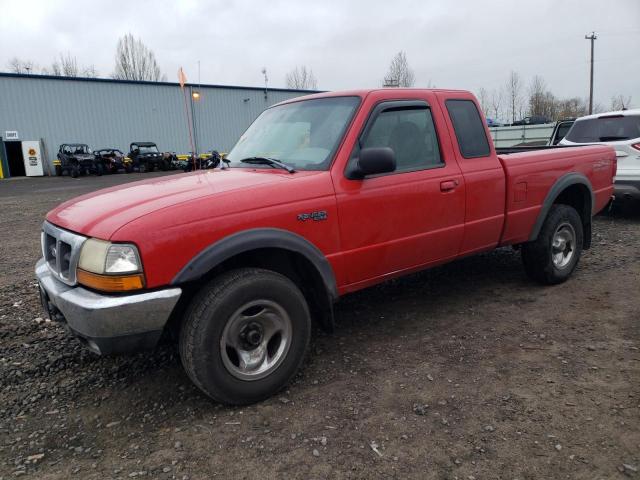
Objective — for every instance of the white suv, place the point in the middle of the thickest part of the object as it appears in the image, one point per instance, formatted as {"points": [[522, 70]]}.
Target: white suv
{"points": [[621, 130]]}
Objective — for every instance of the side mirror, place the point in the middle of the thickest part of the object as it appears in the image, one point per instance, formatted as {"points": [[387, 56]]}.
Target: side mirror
{"points": [[372, 161]]}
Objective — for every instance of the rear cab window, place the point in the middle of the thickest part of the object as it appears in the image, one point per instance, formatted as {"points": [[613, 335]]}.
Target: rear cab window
{"points": [[606, 128], [469, 128]]}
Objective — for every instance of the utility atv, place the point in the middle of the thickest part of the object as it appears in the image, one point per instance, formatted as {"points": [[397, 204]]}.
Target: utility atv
{"points": [[113, 160], [146, 157], [76, 159]]}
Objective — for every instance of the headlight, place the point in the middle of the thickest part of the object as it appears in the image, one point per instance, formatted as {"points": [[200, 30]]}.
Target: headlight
{"points": [[112, 267]]}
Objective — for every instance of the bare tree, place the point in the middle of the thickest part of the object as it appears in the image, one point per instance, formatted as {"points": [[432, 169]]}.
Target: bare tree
{"points": [[571, 108], [302, 78], [537, 90], [64, 66], [399, 73], [620, 102], [541, 100], [483, 98], [17, 65], [497, 100], [134, 61], [514, 92], [90, 72]]}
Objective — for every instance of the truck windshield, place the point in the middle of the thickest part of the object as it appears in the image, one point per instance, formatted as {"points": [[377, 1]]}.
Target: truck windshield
{"points": [[304, 134], [605, 129]]}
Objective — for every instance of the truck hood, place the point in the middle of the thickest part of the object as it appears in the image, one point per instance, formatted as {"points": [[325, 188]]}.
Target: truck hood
{"points": [[101, 213]]}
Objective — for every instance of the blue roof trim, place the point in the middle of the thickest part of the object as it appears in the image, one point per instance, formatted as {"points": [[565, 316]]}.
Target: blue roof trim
{"points": [[145, 82]]}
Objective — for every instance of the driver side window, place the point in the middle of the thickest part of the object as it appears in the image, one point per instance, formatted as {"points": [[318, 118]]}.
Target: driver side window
{"points": [[410, 133]]}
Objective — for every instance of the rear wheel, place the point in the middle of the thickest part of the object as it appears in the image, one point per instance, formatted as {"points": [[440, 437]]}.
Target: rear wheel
{"points": [[58, 170], [164, 165], [554, 255], [75, 171], [99, 169], [245, 335]]}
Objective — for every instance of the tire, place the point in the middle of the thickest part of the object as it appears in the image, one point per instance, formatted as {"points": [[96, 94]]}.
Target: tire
{"points": [[99, 170], [164, 165], [549, 264], [128, 168], [231, 303], [58, 169], [75, 171]]}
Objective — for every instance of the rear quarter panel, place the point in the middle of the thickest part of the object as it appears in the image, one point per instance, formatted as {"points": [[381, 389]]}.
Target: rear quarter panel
{"points": [[530, 176]]}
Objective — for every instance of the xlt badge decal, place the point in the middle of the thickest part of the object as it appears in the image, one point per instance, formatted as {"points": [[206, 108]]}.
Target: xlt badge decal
{"points": [[315, 216]]}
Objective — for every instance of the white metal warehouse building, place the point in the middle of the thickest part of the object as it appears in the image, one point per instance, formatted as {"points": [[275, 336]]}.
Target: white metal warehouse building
{"points": [[48, 111]]}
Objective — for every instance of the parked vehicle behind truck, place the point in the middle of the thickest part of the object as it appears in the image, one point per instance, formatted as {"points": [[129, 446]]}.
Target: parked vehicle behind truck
{"points": [[620, 130], [146, 157], [560, 131], [113, 160], [325, 195], [76, 159]]}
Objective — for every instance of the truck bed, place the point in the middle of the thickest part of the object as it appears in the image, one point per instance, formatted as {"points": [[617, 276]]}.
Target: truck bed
{"points": [[532, 172], [529, 148]]}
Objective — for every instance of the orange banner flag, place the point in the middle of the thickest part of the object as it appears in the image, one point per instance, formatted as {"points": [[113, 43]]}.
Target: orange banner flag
{"points": [[182, 78]]}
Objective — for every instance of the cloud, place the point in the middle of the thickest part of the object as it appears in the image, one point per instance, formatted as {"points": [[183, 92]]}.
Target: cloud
{"points": [[462, 44]]}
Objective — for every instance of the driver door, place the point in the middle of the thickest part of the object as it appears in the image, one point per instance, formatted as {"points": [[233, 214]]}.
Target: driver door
{"points": [[407, 219]]}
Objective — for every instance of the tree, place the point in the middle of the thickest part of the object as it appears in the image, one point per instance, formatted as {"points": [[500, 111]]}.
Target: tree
{"points": [[134, 61], [483, 98], [301, 78], [541, 101], [399, 73], [497, 99], [620, 102], [17, 65], [514, 92], [90, 72], [65, 66]]}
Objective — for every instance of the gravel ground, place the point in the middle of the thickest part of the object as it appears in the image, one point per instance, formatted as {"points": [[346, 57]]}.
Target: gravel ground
{"points": [[468, 371]]}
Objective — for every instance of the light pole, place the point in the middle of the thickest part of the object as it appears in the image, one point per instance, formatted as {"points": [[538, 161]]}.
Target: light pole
{"points": [[266, 80], [593, 38]]}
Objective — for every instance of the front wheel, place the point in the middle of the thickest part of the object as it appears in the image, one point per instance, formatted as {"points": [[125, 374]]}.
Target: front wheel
{"points": [[554, 255], [245, 335]]}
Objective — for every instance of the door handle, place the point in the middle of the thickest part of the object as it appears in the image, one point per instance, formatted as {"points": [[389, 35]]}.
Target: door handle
{"points": [[448, 185]]}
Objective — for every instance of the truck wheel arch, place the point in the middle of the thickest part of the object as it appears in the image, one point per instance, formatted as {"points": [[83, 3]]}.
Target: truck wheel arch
{"points": [[575, 190], [250, 242]]}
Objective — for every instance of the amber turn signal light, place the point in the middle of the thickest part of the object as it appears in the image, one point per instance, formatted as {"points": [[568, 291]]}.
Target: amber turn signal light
{"points": [[110, 283]]}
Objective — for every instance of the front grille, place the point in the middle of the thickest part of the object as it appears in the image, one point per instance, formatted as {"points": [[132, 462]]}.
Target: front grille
{"points": [[61, 251]]}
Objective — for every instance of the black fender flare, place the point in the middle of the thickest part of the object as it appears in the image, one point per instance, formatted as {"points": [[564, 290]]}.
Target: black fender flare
{"points": [[255, 239], [556, 189]]}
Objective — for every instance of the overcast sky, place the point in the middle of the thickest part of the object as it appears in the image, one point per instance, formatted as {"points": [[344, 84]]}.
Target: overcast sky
{"points": [[449, 43]]}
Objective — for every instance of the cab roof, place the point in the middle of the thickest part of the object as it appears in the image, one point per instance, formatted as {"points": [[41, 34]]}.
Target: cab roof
{"points": [[363, 93], [617, 113]]}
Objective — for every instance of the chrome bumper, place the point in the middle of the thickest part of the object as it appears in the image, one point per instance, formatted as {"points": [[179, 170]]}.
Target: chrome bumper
{"points": [[107, 324]]}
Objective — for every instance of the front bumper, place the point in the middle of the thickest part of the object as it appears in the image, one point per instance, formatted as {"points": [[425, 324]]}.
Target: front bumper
{"points": [[107, 324], [625, 190]]}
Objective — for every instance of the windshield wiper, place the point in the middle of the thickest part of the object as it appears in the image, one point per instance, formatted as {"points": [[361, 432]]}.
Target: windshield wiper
{"points": [[268, 161]]}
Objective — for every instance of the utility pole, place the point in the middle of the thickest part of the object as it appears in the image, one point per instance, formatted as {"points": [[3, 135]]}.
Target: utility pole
{"points": [[591, 37]]}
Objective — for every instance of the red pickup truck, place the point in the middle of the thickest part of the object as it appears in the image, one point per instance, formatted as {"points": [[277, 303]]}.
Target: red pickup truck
{"points": [[323, 195]]}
